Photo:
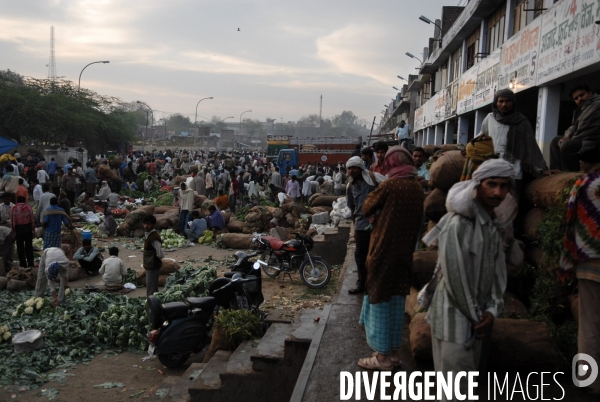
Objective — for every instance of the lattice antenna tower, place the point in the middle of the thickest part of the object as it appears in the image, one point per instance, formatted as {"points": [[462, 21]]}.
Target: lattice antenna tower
{"points": [[52, 63]]}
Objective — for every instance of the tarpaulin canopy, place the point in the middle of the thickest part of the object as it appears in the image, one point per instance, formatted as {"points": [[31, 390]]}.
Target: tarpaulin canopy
{"points": [[246, 145], [7, 145]]}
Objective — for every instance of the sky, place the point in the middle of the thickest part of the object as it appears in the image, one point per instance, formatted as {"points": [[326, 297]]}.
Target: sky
{"points": [[170, 54]]}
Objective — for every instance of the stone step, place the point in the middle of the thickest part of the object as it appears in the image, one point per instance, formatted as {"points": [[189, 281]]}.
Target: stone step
{"points": [[271, 347], [240, 363], [210, 378]]}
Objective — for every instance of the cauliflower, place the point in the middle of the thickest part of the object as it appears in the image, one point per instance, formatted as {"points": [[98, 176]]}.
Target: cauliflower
{"points": [[39, 305], [15, 313], [39, 299], [30, 302], [67, 291], [2, 330], [29, 310], [6, 335]]}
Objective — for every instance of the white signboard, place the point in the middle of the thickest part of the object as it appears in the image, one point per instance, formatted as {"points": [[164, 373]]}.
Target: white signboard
{"points": [[466, 90], [518, 66], [419, 121], [487, 79], [557, 45], [587, 46]]}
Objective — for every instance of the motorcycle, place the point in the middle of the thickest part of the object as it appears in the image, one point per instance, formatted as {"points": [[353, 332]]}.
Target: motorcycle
{"points": [[291, 256], [179, 329]]}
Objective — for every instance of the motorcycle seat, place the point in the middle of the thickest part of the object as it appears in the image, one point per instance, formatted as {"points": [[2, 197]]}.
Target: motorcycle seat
{"points": [[274, 242], [174, 310], [201, 302]]}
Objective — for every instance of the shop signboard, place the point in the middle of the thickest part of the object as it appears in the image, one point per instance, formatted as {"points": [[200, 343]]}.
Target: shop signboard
{"points": [[487, 79], [587, 46], [439, 104], [419, 121], [560, 25], [519, 61], [466, 90]]}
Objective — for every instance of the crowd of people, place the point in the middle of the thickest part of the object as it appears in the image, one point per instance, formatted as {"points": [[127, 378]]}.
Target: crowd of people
{"points": [[385, 189], [475, 239]]}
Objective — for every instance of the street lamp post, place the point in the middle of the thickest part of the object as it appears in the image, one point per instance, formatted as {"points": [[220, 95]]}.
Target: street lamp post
{"points": [[241, 120], [413, 57], [95, 62], [196, 120], [146, 133], [402, 78], [230, 117]]}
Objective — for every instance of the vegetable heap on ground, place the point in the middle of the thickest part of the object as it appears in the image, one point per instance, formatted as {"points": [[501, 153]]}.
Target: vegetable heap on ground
{"points": [[170, 239], [84, 325]]}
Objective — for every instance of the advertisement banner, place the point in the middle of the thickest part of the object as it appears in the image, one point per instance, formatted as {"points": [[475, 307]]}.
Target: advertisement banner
{"points": [[419, 122], [587, 46], [487, 79], [439, 104], [560, 26], [518, 67], [466, 90]]}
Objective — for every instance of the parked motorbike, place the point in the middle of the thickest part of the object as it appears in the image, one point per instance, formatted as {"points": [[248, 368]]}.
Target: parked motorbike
{"points": [[179, 329], [291, 256]]}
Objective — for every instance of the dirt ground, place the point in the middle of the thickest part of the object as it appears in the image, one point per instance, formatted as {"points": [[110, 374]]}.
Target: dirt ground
{"points": [[283, 299]]}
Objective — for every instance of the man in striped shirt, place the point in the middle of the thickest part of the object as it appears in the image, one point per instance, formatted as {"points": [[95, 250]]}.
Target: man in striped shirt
{"points": [[472, 259]]}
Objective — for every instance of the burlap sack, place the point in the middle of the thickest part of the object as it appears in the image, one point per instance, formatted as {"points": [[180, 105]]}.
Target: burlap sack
{"points": [[543, 192], [15, 285], [532, 220], [105, 173], [446, 171], [435, 205], [423, 265], [169, 266], [235, 226]]}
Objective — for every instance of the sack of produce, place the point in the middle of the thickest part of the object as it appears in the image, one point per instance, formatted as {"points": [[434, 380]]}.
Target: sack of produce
{"points": [[446, 170], [435, 205]]}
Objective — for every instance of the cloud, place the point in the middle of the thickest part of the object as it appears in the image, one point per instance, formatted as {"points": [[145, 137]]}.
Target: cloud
{"points": [[357, 49]]}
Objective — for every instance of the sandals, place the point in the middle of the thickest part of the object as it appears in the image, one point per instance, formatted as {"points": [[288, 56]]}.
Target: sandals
{"points": [[372, 363], [395, 361]]}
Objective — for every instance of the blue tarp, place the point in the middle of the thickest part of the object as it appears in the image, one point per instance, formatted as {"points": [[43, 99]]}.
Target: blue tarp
{"points": [[7, 145]]}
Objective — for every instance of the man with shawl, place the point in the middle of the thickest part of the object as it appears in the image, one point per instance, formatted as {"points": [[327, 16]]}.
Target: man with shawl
{"points": [[582, 252], [396, 203], [361, 185], [512, 136], [583, 134], [472, 261]]}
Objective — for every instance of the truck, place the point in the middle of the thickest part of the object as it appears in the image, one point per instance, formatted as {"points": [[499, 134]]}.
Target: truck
{"points": [[325, 150]]}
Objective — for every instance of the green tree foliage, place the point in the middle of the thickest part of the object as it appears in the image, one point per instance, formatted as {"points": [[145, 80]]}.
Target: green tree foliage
{"points": [[178, 123], [51, 111]]}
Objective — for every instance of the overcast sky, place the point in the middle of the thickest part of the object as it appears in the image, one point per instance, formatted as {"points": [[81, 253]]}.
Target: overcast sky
{"points": [[170, 54]]}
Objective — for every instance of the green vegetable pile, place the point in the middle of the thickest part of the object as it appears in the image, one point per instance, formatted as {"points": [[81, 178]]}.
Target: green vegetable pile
{"points": [[85, 325], [165, 200], [129, 277], [38, 243], [187, 282], [239, 325], [170, 239], [241, 213]]}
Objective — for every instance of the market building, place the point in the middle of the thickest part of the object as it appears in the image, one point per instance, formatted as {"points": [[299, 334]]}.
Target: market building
{"points": [[538, 48]]}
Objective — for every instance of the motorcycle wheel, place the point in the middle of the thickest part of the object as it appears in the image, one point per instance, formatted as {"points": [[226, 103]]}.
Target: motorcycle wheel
{"points": [[317, 277], [174, 360], [268, 257]]}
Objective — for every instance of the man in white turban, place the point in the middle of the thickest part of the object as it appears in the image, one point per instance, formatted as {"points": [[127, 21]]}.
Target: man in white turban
{"points": [[361, 185], [471, 257]]}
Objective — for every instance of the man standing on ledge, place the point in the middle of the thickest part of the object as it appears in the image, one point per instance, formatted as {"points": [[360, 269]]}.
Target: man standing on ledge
{"points": [[513, 137]]}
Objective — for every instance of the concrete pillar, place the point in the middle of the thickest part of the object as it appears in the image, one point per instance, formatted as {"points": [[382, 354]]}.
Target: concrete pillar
{"points": [[483, 39], [463, 58], [449, 131], [547, 118], [430, 135], [418, 138], [463, 130], [479, 116], [439, 134]]}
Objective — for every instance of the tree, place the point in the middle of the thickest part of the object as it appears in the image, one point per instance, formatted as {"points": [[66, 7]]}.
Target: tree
{"points": [[52, 111], [179, 123], [254, 128]]}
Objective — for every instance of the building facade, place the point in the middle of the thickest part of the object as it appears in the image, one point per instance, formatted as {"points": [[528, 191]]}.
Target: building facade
{"points": [[538, 48]]}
